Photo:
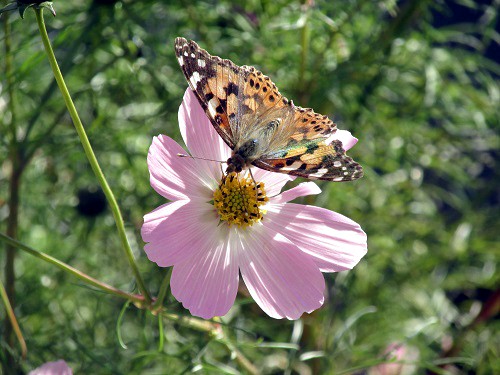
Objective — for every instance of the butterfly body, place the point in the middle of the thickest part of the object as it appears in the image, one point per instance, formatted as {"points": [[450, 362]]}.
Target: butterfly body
{"points": [[262, 127]]}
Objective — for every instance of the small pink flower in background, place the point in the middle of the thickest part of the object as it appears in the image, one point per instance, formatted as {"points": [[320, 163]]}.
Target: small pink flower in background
{"points": [[53, 368], [280, 251], [402, 355]]}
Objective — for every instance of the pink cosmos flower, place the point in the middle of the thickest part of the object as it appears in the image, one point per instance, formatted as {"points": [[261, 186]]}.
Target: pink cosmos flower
{"points": [[280, 254], [53, 368]]}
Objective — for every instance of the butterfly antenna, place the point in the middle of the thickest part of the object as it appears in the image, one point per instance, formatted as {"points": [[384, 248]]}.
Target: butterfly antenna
{"points": [[255, 184], [198, 158]]}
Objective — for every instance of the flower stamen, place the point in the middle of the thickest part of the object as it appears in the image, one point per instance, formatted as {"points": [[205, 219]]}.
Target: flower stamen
{"points": [[238, 200]]}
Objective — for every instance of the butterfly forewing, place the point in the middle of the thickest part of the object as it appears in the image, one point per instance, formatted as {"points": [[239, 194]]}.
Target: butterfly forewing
{"points": [[245, 105], [206, 77]]}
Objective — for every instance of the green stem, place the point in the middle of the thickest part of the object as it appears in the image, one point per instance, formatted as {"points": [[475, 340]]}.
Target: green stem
{"points": [[161, 341], [13, 321], [90, 154], [119, 325], [139, 300], [240, 358], [197, 324], [221, 332], [213, 329], [163, 290], [13, 219], [66, 66], [12, 226]]}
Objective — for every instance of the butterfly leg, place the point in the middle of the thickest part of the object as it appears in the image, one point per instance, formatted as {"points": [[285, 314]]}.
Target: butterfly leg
{"points": [[251, 175], [256, 188]]}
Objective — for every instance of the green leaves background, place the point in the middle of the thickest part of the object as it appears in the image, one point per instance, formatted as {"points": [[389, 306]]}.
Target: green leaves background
{"points": [[418, 89]]}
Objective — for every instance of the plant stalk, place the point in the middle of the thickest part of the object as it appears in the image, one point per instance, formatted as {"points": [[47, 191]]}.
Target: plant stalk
{"points": [[11, 328], [163, 290], [13, 321], [137, 299], [90, 154]]}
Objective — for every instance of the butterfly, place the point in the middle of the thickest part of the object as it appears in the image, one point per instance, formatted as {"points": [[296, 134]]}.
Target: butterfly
{"points": [[261, 126]]}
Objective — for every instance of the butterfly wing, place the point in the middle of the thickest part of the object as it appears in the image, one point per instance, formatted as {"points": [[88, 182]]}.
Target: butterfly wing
{"points": [[239, 101], [314, 160], [299, 144], [311, 151], [212, 80], [244, 104]]}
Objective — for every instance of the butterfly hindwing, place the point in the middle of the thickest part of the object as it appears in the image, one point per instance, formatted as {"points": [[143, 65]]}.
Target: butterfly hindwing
{"points": [[314, 160], [312, 151]]}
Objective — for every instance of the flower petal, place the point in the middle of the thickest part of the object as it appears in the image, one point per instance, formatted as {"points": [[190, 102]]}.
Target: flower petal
{"points": [[177, 230], [273, 181], [283, 281], [336, 242], [175, 177], [344, 136], [53, 368], [207, 284], [301, 190], [200, 136]]}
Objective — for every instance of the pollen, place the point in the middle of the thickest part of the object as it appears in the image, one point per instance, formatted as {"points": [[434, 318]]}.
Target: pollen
{"points": [[238, 200]]}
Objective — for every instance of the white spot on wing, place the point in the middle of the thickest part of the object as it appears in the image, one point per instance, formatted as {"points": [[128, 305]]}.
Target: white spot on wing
{"points": [[201, 63], [319, 173], [181, 60], [212, 104], [293, 167], [337, 164], [195, 78]]}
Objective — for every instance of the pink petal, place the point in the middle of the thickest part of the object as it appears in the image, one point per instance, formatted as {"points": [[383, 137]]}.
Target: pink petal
{"points": [[273, 181], [301, 190], [176, 231], [207, 284], [336, 242], [283, 281], [199, 134], [52, 368], [176, 177], [348, 141]]}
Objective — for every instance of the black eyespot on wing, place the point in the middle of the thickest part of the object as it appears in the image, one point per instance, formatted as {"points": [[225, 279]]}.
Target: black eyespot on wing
{"points": [[232, 88]]}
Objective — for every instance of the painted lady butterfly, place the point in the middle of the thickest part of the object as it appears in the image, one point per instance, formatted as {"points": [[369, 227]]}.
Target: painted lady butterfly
{"points": [[261, 126]]}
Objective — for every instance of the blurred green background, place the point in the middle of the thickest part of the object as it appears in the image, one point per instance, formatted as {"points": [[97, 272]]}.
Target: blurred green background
{"points": [[415, 81]]}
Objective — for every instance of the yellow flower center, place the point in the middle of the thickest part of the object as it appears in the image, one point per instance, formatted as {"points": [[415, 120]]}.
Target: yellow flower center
{"points": [[238, 200]]}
